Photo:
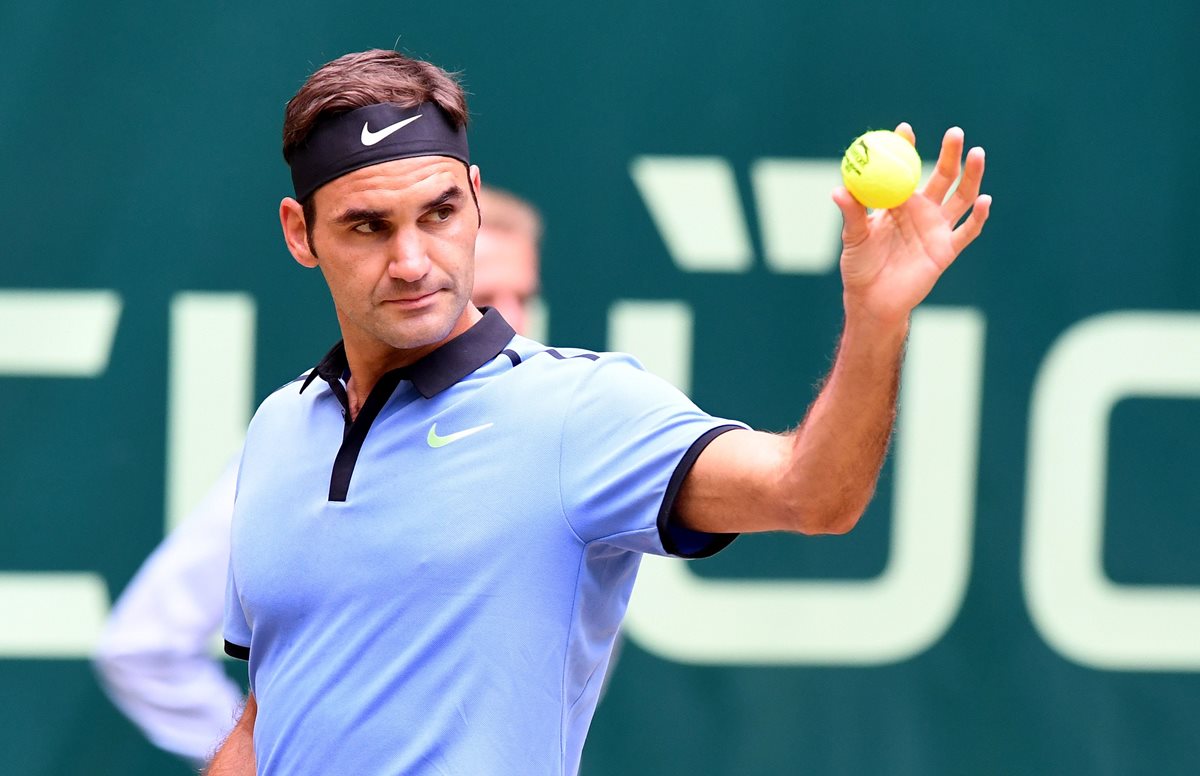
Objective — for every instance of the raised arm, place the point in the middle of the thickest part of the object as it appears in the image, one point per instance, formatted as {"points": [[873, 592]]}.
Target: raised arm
{"points": [[820, 477], [236, 755]]}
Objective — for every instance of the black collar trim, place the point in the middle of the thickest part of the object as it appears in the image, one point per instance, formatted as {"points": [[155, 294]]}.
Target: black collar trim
{"points": [[440, 369]]}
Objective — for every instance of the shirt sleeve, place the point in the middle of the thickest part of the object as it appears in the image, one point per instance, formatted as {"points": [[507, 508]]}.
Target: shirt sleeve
{"points": [[236, 628], [237, 631], [629, 439], [155, 656]]}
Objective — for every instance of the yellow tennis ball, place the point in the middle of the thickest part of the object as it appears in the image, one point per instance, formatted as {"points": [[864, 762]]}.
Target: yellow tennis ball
{"points": [[881, 169]]}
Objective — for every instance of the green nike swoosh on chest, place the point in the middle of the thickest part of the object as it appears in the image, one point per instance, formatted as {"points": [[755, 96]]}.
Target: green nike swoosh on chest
{"points": [[441, 441]]}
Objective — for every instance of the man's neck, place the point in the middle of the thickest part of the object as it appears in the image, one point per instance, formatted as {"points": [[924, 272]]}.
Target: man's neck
{"points": [[369, 359]]}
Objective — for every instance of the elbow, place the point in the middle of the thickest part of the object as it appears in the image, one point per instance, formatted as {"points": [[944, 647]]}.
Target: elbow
{"points": [[107, 650], [841, 523], [816, 518], [123, 656], [828, 522], [112, 658]]}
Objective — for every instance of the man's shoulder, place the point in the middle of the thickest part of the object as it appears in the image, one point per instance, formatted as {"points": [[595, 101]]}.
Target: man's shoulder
{"points": [[523, 350], [292, 393], [297, 385], [591, 378]]}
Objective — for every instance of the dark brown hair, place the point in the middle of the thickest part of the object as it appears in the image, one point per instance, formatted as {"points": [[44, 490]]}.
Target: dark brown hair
{"points": [[369, 78]]}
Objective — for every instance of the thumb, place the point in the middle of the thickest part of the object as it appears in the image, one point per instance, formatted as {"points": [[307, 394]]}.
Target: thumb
{"points": [[854, 217]]}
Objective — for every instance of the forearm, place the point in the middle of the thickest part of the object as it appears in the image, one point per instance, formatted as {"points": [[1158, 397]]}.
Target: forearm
{"points": [[818, 478], [837, 451], [236, 755]]}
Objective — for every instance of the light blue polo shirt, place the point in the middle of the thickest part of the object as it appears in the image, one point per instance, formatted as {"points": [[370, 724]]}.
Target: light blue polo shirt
{"points": [[436, 587]]}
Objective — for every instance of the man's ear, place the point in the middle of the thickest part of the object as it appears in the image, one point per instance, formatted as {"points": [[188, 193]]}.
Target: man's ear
{"points": [[476, 182], [295, 232]]}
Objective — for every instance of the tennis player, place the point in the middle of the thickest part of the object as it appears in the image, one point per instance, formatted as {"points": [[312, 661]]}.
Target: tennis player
{"points": [[154, 657], [438, 526]]}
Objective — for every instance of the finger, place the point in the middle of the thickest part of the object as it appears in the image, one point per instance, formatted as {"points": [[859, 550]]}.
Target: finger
{"points": [[968, 188], [970, 229], [905, 130], [854, 217], [945, 173]]}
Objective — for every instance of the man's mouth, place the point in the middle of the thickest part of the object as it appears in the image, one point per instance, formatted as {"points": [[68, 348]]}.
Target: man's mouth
{"points": [[412, 300]]}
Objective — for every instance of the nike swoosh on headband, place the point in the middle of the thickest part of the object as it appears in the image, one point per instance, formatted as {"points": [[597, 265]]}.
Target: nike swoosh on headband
{"points": [[345, 142], [370, 138]]}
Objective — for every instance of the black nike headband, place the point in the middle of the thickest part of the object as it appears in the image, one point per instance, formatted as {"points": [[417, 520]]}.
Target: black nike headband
{"points": [[371, 135]]}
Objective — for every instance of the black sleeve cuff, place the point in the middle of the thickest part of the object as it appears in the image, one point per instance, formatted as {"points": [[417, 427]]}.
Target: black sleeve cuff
{"points": [[237, 651], [676, 539]]}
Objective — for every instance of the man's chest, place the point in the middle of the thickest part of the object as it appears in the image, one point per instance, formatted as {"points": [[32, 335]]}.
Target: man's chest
{"points": [[460, 502]]}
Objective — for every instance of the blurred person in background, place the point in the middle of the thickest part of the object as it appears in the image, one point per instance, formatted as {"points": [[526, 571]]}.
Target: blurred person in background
{"points": [[156, 657], [507, 274]]}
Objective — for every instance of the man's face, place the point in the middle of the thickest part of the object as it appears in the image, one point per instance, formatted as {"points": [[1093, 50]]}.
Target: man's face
{"points": [[506, 274], [395, 242]]}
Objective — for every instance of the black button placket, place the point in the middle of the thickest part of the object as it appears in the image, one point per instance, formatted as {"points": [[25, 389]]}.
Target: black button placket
{"points": [[355, 433], [431, 375]]}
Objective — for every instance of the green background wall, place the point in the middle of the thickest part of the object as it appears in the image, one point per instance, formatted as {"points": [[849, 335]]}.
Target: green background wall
{"points": [[139, 153]]}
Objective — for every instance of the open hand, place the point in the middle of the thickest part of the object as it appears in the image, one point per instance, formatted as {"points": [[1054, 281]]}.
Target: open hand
{"points": [[891, 259]]}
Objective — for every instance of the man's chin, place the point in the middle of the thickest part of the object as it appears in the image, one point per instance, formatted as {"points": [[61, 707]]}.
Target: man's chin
{"points": [[421, 328]]}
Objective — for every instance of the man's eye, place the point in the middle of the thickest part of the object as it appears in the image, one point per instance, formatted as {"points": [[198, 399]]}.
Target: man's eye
{"points": [[370, 227], [441, 214]]}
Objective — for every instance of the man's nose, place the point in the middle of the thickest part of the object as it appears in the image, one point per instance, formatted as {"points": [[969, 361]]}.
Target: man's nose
{"points": [[409, 257]]}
